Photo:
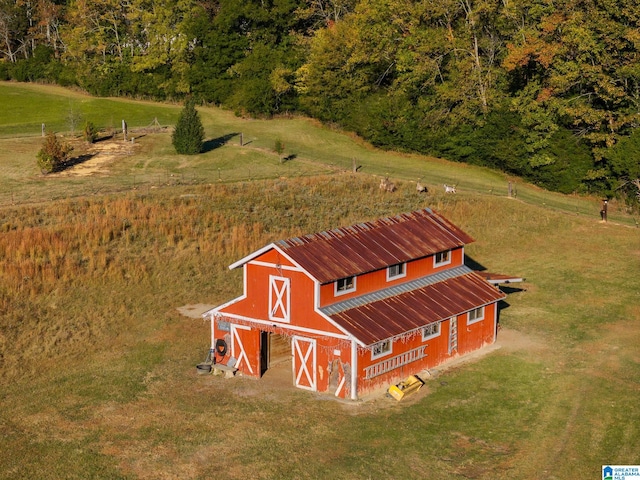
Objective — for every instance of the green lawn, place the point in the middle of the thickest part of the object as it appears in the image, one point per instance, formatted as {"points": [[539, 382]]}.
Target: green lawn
{"points": [[25, 107]]}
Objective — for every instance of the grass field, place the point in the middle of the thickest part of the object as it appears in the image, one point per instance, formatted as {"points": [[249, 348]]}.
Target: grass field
{"points": [[314, 150], [25, 107], [97, 367]]}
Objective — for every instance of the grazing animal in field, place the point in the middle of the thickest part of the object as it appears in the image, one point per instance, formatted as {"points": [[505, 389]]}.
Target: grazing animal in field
{"points": [[421, 188], [449, 188], [387, 186]]}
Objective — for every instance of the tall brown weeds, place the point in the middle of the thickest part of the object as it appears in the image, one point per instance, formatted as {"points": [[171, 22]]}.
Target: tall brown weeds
{"points": [[75, 274]]}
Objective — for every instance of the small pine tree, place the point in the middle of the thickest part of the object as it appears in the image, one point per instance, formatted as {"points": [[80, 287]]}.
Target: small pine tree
{"points": [[53, 154], [279, 148], [90, 132], [188, 135]]}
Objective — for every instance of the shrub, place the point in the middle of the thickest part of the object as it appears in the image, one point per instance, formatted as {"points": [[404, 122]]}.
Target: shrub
{"points": [[188, 135], [53, 154], [4, 70], [90, 132]]}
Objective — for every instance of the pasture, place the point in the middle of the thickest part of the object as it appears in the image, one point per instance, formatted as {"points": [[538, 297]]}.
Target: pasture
{"points": [[312, 149], [97, 366]]}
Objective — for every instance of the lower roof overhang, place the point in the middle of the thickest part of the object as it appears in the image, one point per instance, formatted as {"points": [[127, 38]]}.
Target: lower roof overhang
{"points": [[498, 278], [397, 315]]}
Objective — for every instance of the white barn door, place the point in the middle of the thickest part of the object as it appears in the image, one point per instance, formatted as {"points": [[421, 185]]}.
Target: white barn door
{"points": [[237, 347], [304, 362]]}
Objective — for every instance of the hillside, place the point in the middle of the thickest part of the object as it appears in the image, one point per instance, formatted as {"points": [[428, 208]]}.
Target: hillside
{"points": [[151, 162], [97, 364], [547, 91]]}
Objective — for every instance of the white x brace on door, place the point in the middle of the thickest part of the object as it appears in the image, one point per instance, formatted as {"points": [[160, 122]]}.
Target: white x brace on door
{"points": [[304, 362], [279, 298], [237, 348]]}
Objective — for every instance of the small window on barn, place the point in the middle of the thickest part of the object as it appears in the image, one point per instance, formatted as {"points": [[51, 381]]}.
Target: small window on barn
{"points": [[398, 270], [345, 285], [381, 349], [431, 331], [475, 315], [442, 258]]}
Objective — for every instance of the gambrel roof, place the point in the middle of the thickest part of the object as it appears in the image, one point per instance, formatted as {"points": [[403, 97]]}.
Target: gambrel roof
{"points": [[369, 246]]}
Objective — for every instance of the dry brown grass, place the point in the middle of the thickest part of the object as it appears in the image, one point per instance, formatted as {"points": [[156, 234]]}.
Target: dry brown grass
{"points": [[55, 257], [98, 377]]}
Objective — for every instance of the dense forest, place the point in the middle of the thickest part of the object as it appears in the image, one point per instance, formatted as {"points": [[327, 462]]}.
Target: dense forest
{"points": [[545, 89]]}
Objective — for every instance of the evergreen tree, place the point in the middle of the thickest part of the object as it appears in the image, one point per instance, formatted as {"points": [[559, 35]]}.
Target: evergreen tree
{"points": [[188, 135]]}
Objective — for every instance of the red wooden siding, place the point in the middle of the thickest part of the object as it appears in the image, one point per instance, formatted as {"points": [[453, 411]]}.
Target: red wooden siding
{"points": [[274, 257], [255, 304], [377, 280], [323, 370], [436, 350]]}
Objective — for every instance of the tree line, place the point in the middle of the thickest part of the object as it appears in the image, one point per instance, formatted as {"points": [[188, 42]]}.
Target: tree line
{"points": [[544, 89]]}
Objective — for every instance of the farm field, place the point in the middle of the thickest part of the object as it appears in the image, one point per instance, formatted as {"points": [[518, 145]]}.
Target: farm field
{"points": [[97, 364]]}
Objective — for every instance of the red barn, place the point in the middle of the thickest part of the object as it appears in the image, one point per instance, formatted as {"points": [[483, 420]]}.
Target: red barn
{"points": [[358, 307]]}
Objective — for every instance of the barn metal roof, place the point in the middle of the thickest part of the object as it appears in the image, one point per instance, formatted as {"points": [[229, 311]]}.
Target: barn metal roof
{"points": [[369, 246], [376, 317]]}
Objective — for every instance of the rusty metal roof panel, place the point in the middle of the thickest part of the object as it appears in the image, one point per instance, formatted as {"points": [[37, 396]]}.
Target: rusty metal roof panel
{"points": [[370, 246], [379, 319]]}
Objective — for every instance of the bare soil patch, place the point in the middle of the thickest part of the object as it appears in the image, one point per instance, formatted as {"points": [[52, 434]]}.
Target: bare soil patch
{"points": [[99, 156]]}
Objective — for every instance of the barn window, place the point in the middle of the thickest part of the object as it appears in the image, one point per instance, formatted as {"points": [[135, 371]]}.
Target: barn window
{"points": [[475, 315], [381, 349], [345, 285], [279, 298], [398, 270], [442, 258], [430, 331]]}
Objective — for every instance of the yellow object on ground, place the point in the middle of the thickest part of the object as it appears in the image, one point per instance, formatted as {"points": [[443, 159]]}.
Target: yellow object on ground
{"points": [[411, 385]]}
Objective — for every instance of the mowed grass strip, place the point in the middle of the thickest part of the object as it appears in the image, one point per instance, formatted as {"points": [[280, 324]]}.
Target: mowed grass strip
{"points": [[99, 368], [25, 107]]}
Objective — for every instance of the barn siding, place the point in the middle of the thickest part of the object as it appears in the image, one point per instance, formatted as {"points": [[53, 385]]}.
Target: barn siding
{"points": [[274, 257], [374, 281], [255, 303], [470, 338]]}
